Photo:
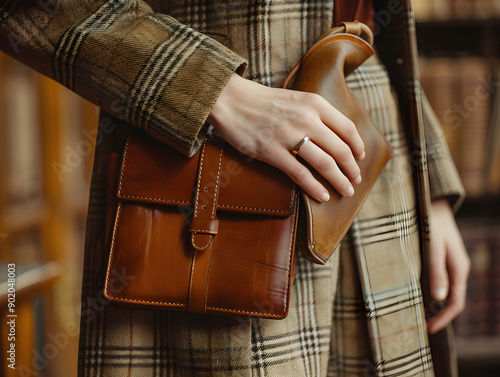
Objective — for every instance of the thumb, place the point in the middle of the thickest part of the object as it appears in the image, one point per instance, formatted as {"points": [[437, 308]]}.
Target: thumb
{"points": [[438, 274]]}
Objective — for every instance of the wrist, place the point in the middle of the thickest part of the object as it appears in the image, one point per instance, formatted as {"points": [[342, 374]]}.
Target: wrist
{"points": [[221, 105]]}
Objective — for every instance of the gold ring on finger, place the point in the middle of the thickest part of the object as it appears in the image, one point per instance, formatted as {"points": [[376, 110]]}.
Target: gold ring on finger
{"points": [[299, 145]]}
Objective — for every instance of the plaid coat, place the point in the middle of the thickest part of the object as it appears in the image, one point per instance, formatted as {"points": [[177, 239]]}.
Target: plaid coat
{"points": [[160, 65]]}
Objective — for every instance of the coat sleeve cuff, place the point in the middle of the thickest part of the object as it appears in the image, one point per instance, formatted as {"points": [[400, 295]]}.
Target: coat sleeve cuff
{"points": [[444, 179], [445, 182], [185, 103]]}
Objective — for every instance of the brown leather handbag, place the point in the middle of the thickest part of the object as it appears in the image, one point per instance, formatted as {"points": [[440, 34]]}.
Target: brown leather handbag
{"points": [[216, 233], [323, 70]]}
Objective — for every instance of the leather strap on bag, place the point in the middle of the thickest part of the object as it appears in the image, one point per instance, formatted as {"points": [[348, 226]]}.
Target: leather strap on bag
{"points": [[356, 28], [347, 27], [204, 225]]}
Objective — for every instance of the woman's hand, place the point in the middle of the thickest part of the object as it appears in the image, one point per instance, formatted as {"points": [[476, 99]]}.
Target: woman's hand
{"points": [[267, 123], [449, 266]]}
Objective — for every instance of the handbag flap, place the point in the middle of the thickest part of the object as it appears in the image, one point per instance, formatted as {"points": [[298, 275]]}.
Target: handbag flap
{"points": [[152, 172]]}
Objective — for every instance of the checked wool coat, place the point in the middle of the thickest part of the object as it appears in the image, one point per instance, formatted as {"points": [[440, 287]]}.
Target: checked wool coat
{"points": [[160, 65]]}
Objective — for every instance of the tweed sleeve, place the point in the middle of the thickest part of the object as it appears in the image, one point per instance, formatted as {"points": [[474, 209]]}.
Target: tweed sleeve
{"points": [[141, 66], [443, 175]]}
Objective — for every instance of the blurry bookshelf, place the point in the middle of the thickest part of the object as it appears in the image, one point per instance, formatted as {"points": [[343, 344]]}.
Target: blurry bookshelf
{"points": [[445, 10], [45, 178], [459, 43]]}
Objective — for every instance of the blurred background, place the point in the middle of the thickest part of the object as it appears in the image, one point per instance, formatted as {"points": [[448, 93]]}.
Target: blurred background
{"points": [[459, 44], [46, 152]]}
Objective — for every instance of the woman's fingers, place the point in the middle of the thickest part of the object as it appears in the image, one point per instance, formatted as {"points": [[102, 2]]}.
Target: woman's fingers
{"points": [[455, 304], [338, 137], [301, 175], [326, 165], [447, 253], [438, 273], [323, 163], [342, 126], [439, 282], [340, 151]]}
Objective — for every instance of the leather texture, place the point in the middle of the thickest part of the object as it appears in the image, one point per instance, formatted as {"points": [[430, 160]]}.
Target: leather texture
{"points": [[216, 233], [210, 234], [323, 71]]}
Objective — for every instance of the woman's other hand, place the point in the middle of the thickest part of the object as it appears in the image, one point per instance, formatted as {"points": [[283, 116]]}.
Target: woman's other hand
{"points": [[449, 266], [267, 123]]}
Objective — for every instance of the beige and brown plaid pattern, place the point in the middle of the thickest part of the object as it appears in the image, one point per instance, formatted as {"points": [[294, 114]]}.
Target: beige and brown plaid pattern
{"points": [[362, 314], [379, 297]]}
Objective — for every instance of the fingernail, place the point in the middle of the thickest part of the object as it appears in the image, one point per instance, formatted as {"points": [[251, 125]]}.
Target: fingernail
{"points": [[325, 197], [349, 192], [441, 293], [362, 157], [357, 181]]}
